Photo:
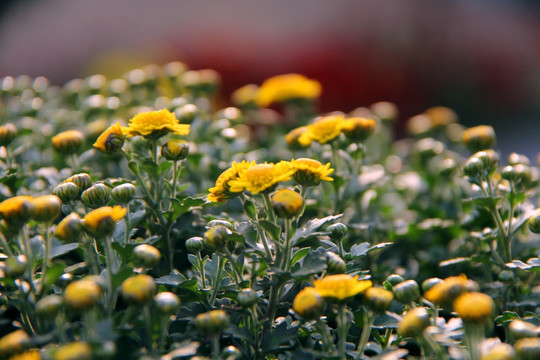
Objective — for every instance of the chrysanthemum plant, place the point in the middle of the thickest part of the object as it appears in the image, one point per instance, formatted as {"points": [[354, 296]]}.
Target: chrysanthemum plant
{"points": [[285, 233]]}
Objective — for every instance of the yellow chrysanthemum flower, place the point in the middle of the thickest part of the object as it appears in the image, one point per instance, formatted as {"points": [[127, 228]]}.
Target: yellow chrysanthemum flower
{"points": [[155, 124], [101, 221], [310, 172], [292, 137], [111, 139], [323, 130], [27, 355], [358, 128], [308, 303], [340, 287], [221, 191], [474, 307], [13, 210], [287, 87], [446, 291], [77, 350], [262, 177]]}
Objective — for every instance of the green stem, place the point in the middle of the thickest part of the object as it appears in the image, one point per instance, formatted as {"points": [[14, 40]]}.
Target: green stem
{"points": [[110, 271], [148, 323], [328, 345], [201, 270], [163, 334], [6, 247], [90, 258], [303, 193], [46, 258], [269, 209], [366, 331], [128, 224], [342, 331], [215, 347], [287, 251], [237, 276], [474, 335], [503, 235], [217, 281]]}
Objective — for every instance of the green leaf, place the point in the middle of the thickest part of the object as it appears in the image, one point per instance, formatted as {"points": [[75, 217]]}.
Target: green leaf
{"points": [[506, 317], [165, 166], [282, 334], [182, 207], [517, 198], [272, 229], [454, 261], [240, 333], [249, 209], [485, 201], [53, 273], [379, 246], [150, 167], [312, 228], [171, 279], [121, 276], [386, 321], [358, 250], [313, 263], [299, 254], [133, 167], [63, 249]]}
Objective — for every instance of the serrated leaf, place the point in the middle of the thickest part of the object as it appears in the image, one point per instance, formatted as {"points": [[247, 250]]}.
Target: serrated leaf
{"points": [[282, 334], [63, 249], [358, 250], [150, 167], [311, 228], [240, 333], [313, 263], [506, 317], [272, 229]]}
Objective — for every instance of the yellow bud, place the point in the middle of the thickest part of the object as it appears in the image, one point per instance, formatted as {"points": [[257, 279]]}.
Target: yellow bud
{"points": [[8, 132], [69, 229], [74, 351], [378, 299], [175, 150], [68, 142], [138, 289], [13, 343], [308, 304], [287, 203], [479, 138], [212, 322], [82, 294], [474, 307], [44, 208], [414, 322]]}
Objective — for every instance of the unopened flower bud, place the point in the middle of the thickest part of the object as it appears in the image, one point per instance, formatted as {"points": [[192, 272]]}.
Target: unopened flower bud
{"points": [[479, 138], [146, 255], [82, 180], [8, 132], [394, 279], [427, 148], [96, 196], [82, 294], [287, 203], [358, 129], [337, 231], [69, 229], [334, 263], [138, 289], [378, 299], [308, 304], [506, 276], [473, 167], [48, 306], [515, 158], [231, 353], [446, 167], [111, 140], [474, 307], [441, 116], [509, 173], [77, 350], [534, 223], [15, 266], [520, 329], [68, 142], [14, 343], [212, 322], [67, 192], [123, 193], [523, 176], [64, 280], [429, 283], [175, 150], [292, 138], [490, 160], [167, 303], [384, 110], [501, 351], [194, 244], [528, 348], [216, 237], [44, 208], [247, 297], [414, 322], [445, 292], [186, 113], [406, 291], [217, 222]]}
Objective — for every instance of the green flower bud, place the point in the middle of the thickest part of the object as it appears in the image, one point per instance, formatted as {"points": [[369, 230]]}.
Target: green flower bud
{"points": [[247, 297], [44, 208], [96, 196], [337, 231], [534, 223], [225, 223], [123, 193], [216, 237], [523, 176], [175, 150], [67, 192], [479, 138], [167, 303], [429, 283], [194, 244], [49, 306], [287, 203], [64, 280], [8, 132], [414, 322], [82, 294], [15, 266], [334, 264], [378, 299], [490, 160], [82, 180], [473, 167], [212, 322], [231, 353], [428, 147], [515, 158], [446, 167], [69, 229], [406, 291], [528, 348], [520, 329], [186, 113], [509, 173], [394, 279], [146, 255], [138, 289]]}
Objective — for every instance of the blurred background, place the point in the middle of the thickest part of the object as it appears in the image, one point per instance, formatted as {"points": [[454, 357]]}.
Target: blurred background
{"points": [[478, 57]]}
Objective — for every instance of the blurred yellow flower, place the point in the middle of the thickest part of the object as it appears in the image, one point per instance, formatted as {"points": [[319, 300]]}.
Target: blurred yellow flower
{"points": [[245, 95], [310, 172], [13, 210], [101, 221], [308, 303], [340, 287], [474, 307], [322, 130], [77, 350], [293, 136], [111, 139], [13, 342], [155, 124], [358, 128], [446, 291], [287, 87], [27, 355], [287, 203], [261, 177], [221, 191], [68, 142]]}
